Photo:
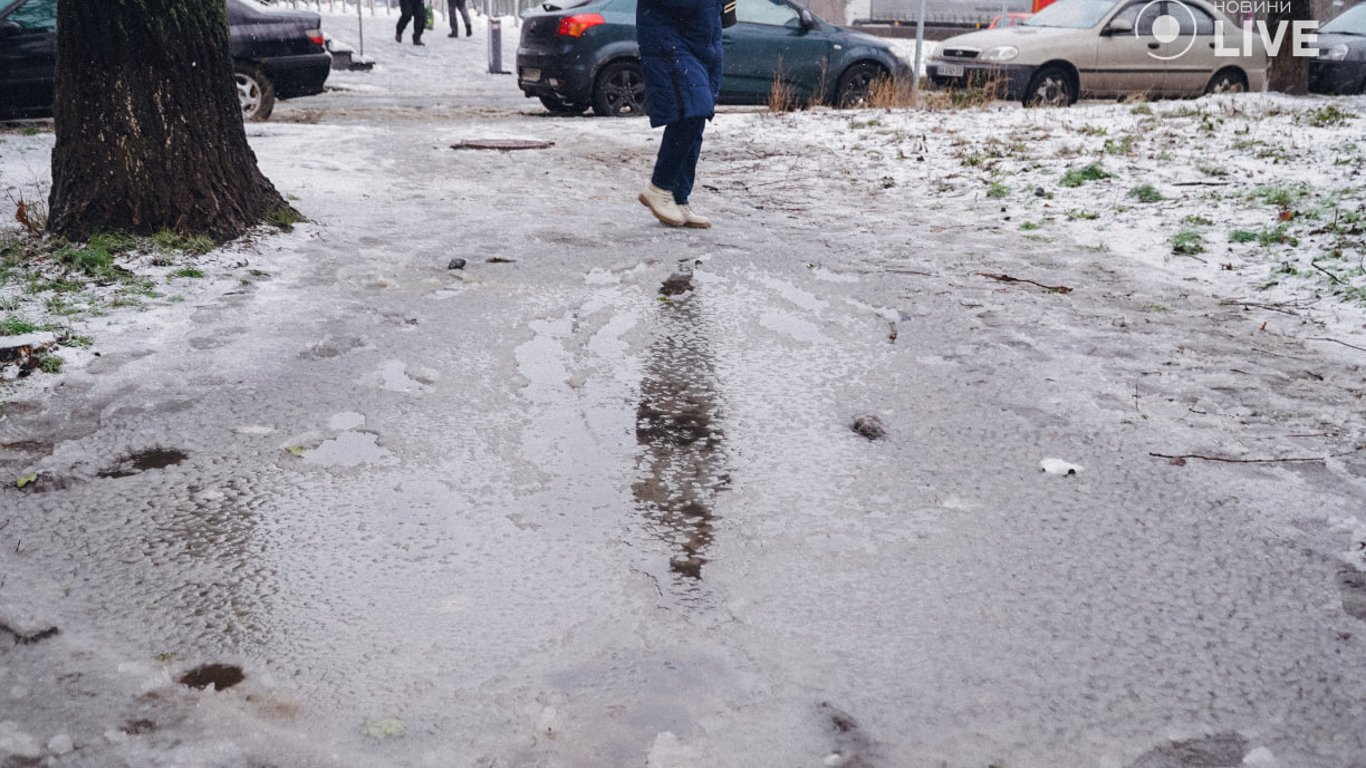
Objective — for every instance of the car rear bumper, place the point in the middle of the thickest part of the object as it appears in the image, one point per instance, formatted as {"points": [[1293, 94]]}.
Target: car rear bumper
{"points": [[1011, 79], [1338, 78], [295, 76], [565, 77]]}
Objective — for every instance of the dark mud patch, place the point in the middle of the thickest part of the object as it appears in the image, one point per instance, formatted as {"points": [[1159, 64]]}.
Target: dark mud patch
{"points": [[870, 427], [138, 727], [1222, 750], [676, 285], [852, 747], [142, 461], [1352, 585], [220, 676]]}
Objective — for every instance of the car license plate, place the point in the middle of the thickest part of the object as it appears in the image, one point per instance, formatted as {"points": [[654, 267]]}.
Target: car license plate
{"points": [[534, 75], [950, 70]]}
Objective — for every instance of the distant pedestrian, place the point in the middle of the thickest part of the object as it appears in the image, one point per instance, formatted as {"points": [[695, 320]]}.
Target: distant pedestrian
{"points": [[415, 11], [680, 57], [455, 6]]}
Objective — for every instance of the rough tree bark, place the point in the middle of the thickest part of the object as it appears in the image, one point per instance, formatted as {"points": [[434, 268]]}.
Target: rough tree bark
{"points": [[1288, 73], [149, 126]]}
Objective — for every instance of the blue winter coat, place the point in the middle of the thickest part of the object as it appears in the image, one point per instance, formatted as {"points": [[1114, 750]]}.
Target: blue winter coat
{"points": [[680, 56]]}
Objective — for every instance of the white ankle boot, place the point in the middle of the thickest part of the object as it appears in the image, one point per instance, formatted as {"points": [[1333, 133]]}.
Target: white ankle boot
{"points": [[693, 219], [661, 204]]}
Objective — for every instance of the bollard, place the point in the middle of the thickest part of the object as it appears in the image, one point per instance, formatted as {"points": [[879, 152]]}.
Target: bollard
{"points": [[496, 46]]}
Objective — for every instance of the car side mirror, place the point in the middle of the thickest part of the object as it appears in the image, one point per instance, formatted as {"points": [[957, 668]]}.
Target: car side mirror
{"points": [[1120, 27], [808, 21], [9, 29]]}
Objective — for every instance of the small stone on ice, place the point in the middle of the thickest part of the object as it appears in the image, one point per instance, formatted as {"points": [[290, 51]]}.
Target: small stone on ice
{"points": [[456, 263], [870, 427], [1260, 757], [1059, 467], [1039, 192]]}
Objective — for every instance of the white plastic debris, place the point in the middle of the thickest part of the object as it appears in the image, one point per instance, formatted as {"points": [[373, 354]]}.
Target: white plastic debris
{"points": [[668, 752], [16, 743], [1060, 467], [1260, 757], [60, 744]]}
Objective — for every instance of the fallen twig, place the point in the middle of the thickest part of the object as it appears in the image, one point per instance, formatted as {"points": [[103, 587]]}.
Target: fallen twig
{"points": [[1331, 276], [1182, 457], [1009, 279], [1256, 305], [1335, 341], [1201, 183]]}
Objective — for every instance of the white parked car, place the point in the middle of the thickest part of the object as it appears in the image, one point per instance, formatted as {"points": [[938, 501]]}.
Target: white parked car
{"points": [[1106, 48]]}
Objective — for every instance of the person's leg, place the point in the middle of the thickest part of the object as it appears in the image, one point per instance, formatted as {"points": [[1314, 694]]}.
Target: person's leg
{"points": [[419, 21], [464, 14], [687, 166], [450, 16], [674, 149], [403, 17]]}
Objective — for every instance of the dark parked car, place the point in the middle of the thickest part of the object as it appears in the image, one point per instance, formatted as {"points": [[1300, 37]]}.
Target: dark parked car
{"points": [[580, 54], [276, 55], [1341, 65]]}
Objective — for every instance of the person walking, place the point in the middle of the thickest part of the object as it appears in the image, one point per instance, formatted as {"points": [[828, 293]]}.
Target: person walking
{"points": [[680, 58], [452, 7], [415, 11]]}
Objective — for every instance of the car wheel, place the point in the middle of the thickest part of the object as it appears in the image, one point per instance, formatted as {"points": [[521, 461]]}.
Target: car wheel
{"points": [[562, 107], [255, 92], [1051, 87], [619, 90], [1227, 81], [856, 85]]}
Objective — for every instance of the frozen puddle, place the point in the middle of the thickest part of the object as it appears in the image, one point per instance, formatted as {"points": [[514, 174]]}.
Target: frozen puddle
{"points": [[350, 449]]}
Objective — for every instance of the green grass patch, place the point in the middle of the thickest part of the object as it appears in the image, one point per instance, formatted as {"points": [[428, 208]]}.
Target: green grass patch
{"points": [[1122, 146], [997, 191], [1188, 242], [1196, 220], [1146, 193], [1075, 177], [191, 272], [16, 326], [284, 218], [1082, 214], [1328, 117]]}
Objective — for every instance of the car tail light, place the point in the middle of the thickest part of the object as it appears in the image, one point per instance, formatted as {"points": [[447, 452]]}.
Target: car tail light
{"points": [[576, 25], [316, 35]]}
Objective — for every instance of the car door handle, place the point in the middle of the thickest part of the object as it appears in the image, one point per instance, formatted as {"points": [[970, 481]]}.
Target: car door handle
{"points": [[1154, 46]]}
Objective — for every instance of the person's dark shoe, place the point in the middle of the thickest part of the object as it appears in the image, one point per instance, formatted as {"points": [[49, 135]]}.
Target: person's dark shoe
{"points": [[398, 37], [469, 32], [418, 42], [453, 34]]}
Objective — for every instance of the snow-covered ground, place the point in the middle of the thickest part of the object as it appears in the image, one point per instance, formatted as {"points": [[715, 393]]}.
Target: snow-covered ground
{"points": [[552, 510]]}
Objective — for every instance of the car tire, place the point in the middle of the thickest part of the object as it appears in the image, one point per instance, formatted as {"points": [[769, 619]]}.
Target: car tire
{"points": [[619, 90], [255, 92], [856, 84], [1227, 81], [1051, 87], [562, 107]]}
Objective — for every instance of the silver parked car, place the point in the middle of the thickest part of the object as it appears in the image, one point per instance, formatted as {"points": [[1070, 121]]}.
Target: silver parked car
{"points": [[1106, 48]]}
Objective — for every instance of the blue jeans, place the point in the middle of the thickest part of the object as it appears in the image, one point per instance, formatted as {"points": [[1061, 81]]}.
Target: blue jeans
{"points": [[676, 165]]}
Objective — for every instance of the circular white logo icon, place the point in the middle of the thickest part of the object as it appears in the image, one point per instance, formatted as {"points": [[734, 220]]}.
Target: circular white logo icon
{"points": [[1166, 28]]}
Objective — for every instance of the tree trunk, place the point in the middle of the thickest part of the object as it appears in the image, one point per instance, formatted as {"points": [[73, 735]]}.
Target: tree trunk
{"points": [[1288, 73], [149, 126]]}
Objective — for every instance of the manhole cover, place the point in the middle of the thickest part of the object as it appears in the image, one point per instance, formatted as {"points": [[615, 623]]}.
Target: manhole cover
{"points": [[502, 144]]}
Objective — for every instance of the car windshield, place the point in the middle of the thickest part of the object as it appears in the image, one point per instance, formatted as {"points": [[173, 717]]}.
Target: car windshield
{"points": [[1353, 22], [1073, 14], [5, 5]]}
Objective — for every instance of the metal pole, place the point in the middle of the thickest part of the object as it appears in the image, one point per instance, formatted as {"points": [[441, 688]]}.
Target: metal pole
{"points": [[360, 26], [919, 46]]}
